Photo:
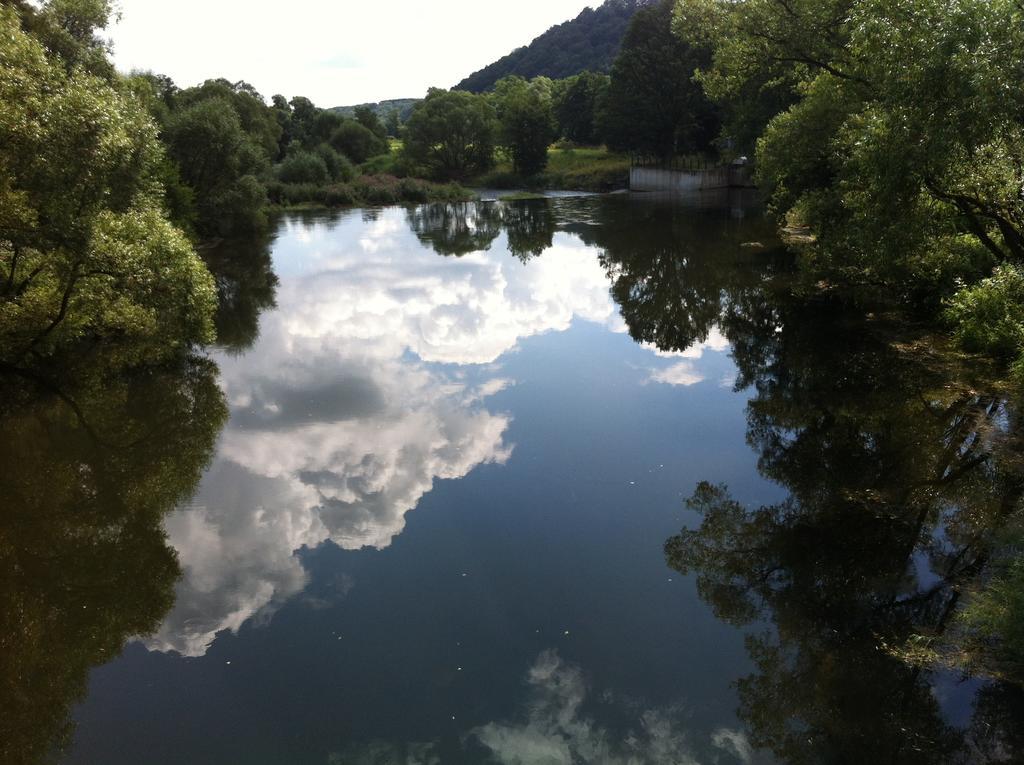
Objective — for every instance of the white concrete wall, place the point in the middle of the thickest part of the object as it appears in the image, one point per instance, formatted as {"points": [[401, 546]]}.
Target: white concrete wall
{"points": [[655, 179]]}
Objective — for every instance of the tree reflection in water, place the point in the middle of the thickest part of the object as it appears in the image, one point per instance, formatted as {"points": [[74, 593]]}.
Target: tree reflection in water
{"points": [[94, 466], [91, 472], [901, 471], [456, 228], [459, 228], [246, 286]]}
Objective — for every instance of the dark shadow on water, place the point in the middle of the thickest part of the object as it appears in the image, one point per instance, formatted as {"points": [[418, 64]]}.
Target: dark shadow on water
{"points": [[91, 468]]}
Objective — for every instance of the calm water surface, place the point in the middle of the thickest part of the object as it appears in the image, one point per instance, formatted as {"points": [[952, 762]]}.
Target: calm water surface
{"points": [[428, 503]]}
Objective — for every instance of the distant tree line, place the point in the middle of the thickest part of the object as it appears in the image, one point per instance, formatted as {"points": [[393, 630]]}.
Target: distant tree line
{"points": [[650, 104], [227, 148], [108, 181]]}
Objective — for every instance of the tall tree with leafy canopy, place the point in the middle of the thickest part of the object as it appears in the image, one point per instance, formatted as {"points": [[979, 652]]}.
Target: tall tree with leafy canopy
{"points": [[525, 113], [69, 31], [451, 135], [86, 250], [653, 106], [577, 105], [903, 148], [223, 138]]}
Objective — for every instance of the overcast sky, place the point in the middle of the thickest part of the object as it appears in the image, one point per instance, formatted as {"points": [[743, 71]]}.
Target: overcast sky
{"points": [[336, 52]]}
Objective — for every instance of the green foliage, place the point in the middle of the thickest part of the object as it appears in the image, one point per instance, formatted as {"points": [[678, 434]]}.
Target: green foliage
{"points": [[368, 118], [393, 163], [221, 163], [357, 142], [988, 317], [526, 116], [303, 167], [653, 106], [86, 251], [568, 169], [901, 141], [322, 126], [68, 30], [577, 102], [450, 135], [403, 106], [376, 189], [257, 121], [393, 123], [338, 166], [589, 42], [996, 613]]}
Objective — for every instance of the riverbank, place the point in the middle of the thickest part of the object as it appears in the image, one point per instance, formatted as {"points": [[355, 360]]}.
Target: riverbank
{"points": [[568, 169], [583, 168], [378, 189]]}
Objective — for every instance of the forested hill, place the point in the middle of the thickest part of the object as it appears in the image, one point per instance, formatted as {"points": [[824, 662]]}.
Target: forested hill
{"points": [[590, 41], [402, 105]]}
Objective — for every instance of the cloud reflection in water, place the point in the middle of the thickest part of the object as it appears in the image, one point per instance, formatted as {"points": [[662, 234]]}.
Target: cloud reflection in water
{"points": [[367, 384]]}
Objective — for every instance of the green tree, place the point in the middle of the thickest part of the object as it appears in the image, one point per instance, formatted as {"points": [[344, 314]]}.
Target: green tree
{"points": [[257, 120], [526, 116], [369, 119], [451, 135], [219, 161], [576, 107], [393, 123], [339, 168], [68, 30], [653, 106], [303, 167], [86, 251], [901, 149], [357, 142]]}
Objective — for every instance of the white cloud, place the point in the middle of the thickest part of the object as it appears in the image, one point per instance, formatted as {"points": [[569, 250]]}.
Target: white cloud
{"points": [[715, 341], [735, 743], [236, 549], [466, 310], [681, 373], [335, 53], [553, 729], [685, 371], [556, 731]]}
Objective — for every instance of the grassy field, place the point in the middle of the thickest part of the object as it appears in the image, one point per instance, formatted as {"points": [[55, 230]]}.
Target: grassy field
{"points": [[569, 169]]}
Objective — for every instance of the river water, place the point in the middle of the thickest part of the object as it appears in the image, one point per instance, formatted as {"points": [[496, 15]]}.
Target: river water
{"points": [[552, 481]]}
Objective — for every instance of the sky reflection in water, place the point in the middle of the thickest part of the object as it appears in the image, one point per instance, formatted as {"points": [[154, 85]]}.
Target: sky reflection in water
{"points": [[434, 529], [369, 381], [523, 611]]}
